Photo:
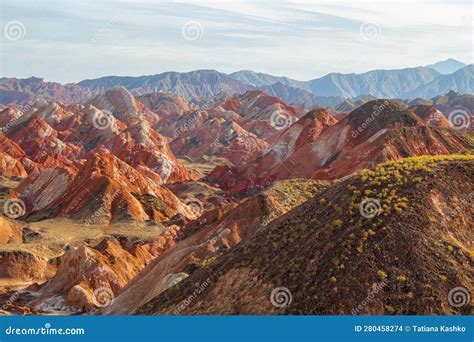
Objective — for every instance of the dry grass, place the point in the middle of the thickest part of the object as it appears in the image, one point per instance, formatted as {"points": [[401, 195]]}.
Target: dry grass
{"points": [[206, 166]]}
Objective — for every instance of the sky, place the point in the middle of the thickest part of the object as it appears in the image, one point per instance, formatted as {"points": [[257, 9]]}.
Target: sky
{"points": [[71, 40]]}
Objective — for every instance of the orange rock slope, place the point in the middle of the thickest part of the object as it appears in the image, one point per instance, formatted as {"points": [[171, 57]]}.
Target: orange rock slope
{"points": [[377, 131], [104, 188], [213, 234], [80, 159], [234, 127], [263, 114], [90, 277]]}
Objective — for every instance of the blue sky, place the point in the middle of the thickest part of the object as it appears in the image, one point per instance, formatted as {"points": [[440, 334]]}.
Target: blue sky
{"points": [[69, 40]]}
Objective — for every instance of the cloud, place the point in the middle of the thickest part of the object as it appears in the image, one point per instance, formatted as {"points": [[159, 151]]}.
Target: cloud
{"points": [[299, 39]]}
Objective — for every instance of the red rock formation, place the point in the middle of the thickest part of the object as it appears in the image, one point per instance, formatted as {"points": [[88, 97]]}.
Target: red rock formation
{"points": [[164, 104], [143, 148], [263, 114], [104, 188], [10, 232], [430, 116], [24, 266], [214, 233], [175, 125], [375, 132], [90, 277], [219, 137], [8, 118], [11, 167], [40, 141], [57, 158], [243, 149], [10, 158], [51, 112], [10, 147], [284, 144], [123, 105]]}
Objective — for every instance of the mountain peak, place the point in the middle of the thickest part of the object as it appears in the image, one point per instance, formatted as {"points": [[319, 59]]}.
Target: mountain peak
{"points": [[383, 113], [447, 66]]}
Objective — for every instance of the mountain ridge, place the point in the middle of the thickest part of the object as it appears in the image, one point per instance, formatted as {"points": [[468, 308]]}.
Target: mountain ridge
{"points": [[407, 83], [447, 66]]}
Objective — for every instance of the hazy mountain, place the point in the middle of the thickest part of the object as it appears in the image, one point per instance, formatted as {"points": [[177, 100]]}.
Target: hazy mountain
{"points": [[300, 97], [448, 66], [289, 90], [15, 90], [379, 83], [199, 83], [462, 81], [258, 79]]}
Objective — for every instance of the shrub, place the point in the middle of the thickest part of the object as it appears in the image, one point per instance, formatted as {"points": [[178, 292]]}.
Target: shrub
{"points": [[401, 278], [382, 275]]}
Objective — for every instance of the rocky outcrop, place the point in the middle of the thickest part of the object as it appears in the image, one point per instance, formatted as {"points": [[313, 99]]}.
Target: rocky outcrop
{"points": [[377, 131], [164, 104], [90, 277], [21, 265], [328, 257], [214, 233], [262, 114], [10, 232], [104, 188]]}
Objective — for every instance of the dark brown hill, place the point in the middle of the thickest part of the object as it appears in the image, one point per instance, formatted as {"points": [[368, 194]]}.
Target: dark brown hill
{"points": [[395, 240]]}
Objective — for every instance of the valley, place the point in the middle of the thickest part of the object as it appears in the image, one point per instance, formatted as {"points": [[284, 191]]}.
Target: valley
{"points": [[170, 202]]}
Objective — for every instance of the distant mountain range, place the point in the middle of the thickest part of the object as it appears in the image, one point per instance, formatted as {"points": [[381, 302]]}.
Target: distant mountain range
{"points": [[460, 81], [258, 79], [424, 81], [194, 84], [448, 66]]}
